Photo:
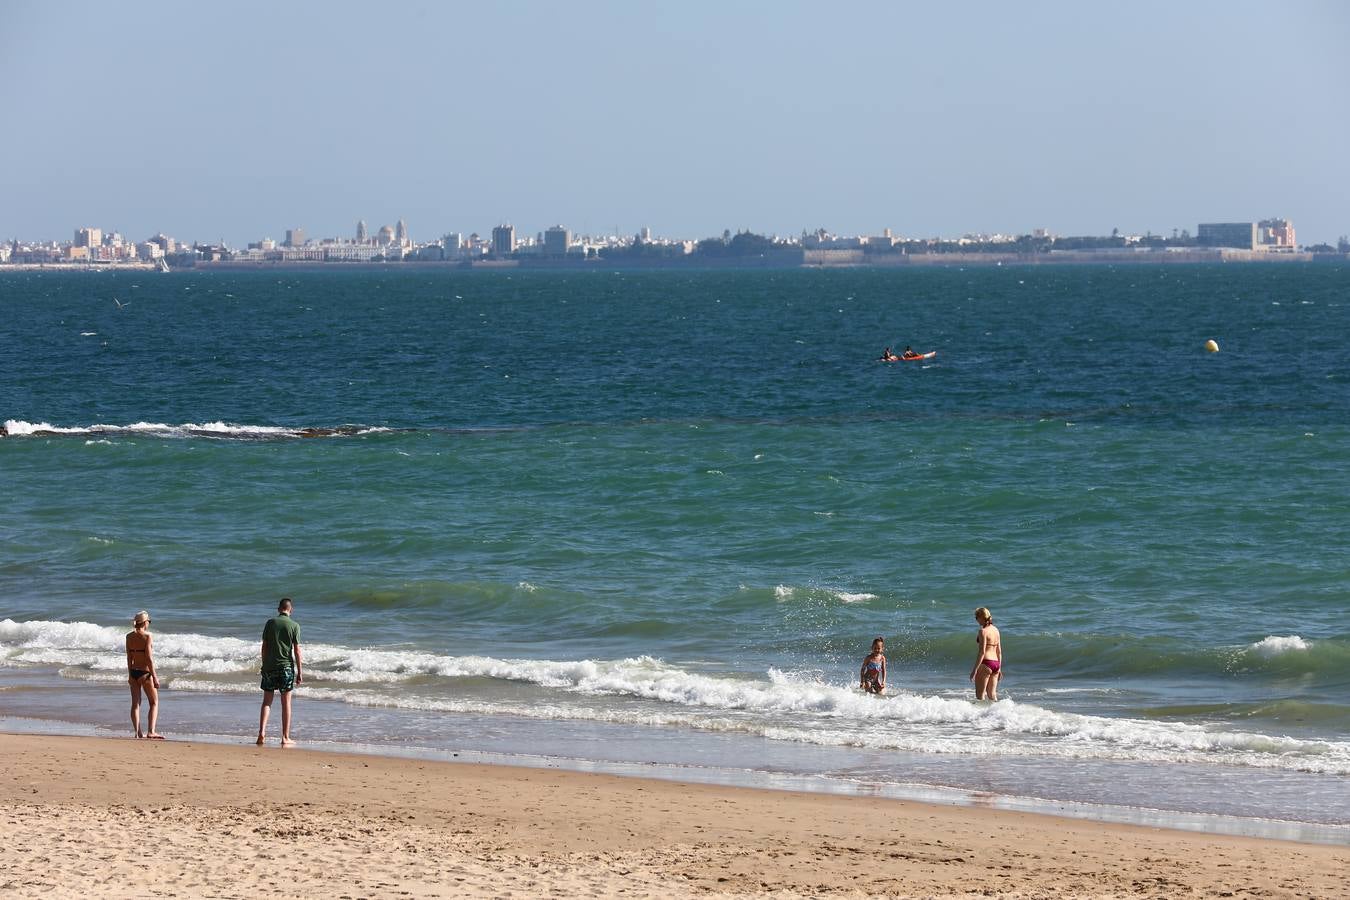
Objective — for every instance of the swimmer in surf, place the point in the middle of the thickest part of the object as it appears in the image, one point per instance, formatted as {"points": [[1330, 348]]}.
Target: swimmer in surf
{"points": [[989, 661], [872, 677]]}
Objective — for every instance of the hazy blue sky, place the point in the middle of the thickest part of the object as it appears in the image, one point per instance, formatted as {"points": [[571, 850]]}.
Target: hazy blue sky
{"points": [[239, 120]]}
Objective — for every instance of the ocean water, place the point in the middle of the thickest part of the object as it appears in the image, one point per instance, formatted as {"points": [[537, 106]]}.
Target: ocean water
{"points": [[621, 519]]}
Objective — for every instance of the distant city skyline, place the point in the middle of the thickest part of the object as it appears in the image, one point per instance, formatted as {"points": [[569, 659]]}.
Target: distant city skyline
{"points": [[930, 121], [1270, 240]]}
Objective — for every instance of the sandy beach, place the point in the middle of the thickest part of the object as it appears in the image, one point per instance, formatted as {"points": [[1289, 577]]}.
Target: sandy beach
{"points": [[121, 818]]}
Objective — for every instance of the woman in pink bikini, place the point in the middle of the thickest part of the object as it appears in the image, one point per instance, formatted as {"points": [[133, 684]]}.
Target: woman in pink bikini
{"points": [[989, 662]]}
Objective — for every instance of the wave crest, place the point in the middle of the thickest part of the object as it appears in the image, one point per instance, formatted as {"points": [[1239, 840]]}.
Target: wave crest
{"points": [[217, 430], [1274, 645]]}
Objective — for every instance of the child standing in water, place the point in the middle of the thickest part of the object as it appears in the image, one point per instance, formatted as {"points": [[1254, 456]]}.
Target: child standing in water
{"points": [[872, 677], [141, 675], [989, 662]]}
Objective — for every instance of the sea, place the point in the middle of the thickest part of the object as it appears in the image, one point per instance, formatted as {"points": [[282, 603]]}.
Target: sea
{"points": [[649, 523]]}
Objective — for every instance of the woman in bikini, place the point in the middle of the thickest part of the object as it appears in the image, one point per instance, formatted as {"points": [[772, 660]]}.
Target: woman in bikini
{"points": [[989, 663], [141, 675]]}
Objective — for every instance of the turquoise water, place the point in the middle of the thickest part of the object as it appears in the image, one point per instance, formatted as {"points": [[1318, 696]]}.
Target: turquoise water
{"points": [[659, 516]]}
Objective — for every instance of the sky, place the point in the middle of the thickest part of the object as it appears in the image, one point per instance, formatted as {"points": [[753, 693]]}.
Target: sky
{"points": [[235, 121]]}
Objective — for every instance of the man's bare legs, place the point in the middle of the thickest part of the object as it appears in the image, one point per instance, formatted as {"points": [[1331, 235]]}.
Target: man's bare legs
{"points": [[286, 720], [267, 708], [285, 717]]}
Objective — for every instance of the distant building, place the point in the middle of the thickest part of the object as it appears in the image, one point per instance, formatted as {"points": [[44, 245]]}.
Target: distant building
{"points": [[1238, 235], [1276, 234], [385, 235], [452, 241], [295, 237], [366, 252], [301, 254], [361, 231], [401, 233], [89, 237], [503, 240], [556, 241]]}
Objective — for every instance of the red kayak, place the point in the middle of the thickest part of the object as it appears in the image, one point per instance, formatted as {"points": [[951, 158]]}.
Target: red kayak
{"points": [[915, 358]]}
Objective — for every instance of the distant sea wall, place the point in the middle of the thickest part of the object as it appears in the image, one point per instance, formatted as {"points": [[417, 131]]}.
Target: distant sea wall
{"points": [[853, 258]]}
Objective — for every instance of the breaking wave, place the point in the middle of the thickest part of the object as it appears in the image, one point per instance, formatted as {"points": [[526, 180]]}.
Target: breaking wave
{"points": [[217, 430], [645, 690]]}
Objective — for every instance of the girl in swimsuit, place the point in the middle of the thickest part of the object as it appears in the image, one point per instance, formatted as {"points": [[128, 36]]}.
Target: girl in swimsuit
{"points": [[989, 662], [872, 678], [141, 675]]}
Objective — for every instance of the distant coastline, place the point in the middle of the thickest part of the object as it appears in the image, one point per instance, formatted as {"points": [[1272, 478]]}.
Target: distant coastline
{"points": [[782, 259]]}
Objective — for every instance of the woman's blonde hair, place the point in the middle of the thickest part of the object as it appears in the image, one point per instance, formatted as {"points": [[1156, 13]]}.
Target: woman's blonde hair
{"points": [[984, 616], [141, 616]]}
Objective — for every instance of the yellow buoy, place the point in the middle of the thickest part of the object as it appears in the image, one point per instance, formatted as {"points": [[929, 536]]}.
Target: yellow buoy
{"points": [[1212, 346]]}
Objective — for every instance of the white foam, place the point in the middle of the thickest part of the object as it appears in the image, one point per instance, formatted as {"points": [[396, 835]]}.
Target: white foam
{"points": [[784, 592], [800, 706], [20, 428], [227, 429], [1274, 645]]}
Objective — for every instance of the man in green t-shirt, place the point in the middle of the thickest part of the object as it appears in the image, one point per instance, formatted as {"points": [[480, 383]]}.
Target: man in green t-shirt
{"points": [[280, 668]]}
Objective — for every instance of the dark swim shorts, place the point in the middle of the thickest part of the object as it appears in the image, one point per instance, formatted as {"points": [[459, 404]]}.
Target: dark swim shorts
{"points": [[278, 680]]}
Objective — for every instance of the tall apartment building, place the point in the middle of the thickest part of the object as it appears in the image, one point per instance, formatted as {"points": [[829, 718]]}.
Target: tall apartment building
{"points": [[89, 237], [295, 237], [1276, 234], [503, 240], [556, 241]]}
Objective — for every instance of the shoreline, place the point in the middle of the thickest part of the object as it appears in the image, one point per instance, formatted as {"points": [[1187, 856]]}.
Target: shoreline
{"points": [[950, 794], [118, 817]]}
